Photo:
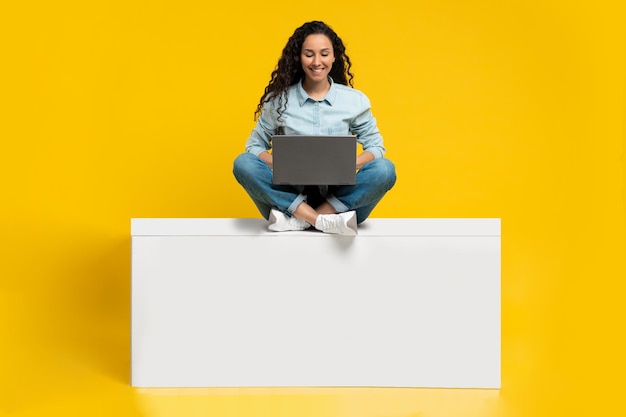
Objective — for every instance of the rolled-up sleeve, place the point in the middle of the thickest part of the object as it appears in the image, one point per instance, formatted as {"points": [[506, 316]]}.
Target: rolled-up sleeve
{"points": [[365, 128], [261, 136]]}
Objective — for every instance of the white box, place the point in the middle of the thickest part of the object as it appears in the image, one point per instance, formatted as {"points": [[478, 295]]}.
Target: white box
{"points": [[226, 303]]}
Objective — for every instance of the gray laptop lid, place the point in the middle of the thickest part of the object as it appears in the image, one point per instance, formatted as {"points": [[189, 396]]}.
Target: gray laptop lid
{"points": [[314, 160]]}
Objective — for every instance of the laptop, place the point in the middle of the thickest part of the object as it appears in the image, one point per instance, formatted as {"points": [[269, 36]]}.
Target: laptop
{"points": [[314, 159]]}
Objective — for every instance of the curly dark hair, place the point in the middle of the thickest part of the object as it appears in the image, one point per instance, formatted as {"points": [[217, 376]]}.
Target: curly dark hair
{"points": [[289, 71]]}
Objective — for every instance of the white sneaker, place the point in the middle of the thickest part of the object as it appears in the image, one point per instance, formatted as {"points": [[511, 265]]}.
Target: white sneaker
{"points": [[341, 224], [280, 222]]}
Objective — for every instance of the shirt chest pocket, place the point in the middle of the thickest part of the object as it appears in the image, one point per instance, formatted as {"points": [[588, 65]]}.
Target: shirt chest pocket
{"points": [[339, 129]]}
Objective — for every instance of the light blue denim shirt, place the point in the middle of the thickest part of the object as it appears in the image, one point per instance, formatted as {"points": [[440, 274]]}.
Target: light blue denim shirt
{"points": [[343, 111]]}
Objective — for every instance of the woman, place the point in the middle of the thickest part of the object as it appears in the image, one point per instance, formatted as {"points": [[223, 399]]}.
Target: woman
{"points": [[310, 93]]}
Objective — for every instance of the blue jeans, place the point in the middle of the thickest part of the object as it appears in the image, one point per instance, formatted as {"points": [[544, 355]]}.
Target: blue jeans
{"points": [[373, 180]]}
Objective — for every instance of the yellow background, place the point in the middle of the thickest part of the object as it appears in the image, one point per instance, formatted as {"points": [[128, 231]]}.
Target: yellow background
{"points": [[119, 109]]}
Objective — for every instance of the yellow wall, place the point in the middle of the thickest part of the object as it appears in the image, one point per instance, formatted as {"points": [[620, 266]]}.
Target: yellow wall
{"points": [[118, 109]]}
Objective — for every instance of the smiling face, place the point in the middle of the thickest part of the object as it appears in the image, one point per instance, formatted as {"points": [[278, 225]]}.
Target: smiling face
{"points": [[317, 57]]}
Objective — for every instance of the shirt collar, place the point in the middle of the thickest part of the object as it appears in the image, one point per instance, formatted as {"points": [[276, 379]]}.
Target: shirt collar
{"points": [[329, 98]]}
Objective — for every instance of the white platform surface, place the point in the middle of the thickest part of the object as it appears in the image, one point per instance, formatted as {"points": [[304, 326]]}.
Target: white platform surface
{"points": [[226, 303]]}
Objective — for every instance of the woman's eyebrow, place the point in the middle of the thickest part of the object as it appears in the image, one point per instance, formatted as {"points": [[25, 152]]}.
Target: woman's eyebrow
{"points": [[311, 50]]}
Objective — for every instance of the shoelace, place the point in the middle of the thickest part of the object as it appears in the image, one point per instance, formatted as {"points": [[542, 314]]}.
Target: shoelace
{"points": [[331, 224], [283, 221]]}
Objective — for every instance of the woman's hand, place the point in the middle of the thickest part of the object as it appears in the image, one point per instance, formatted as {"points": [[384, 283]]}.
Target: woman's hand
{"points": [[363, 159], [267, 158]]}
